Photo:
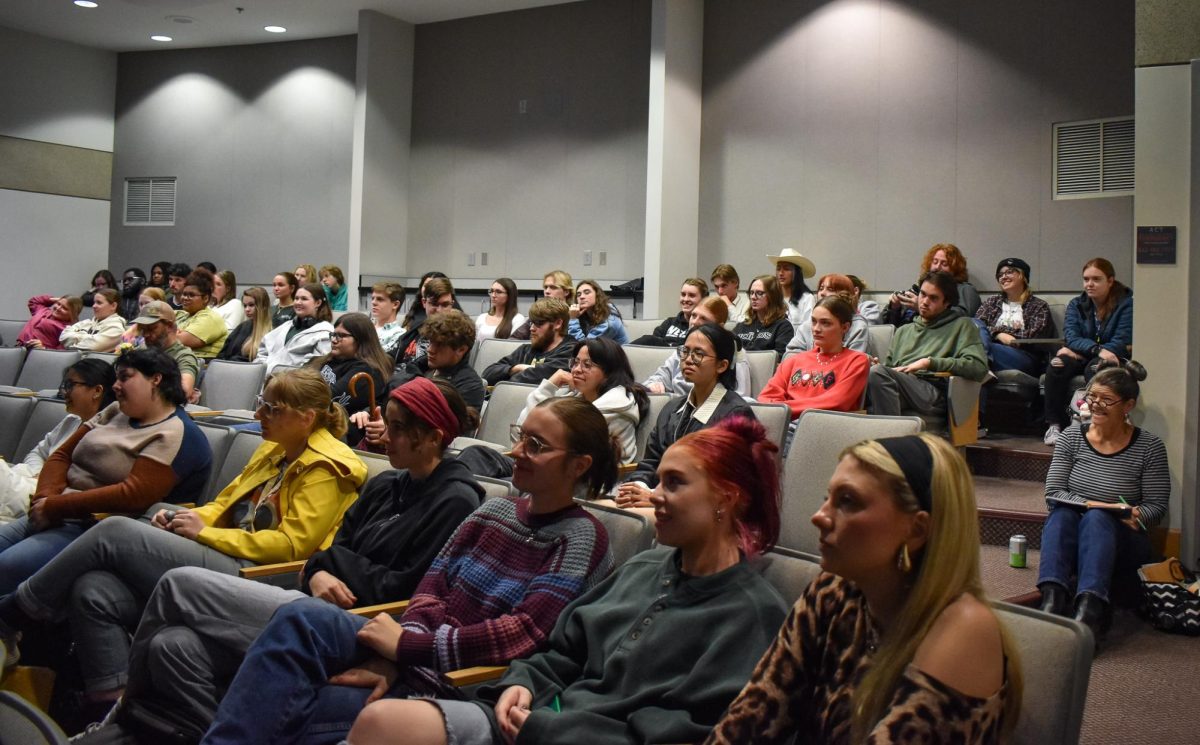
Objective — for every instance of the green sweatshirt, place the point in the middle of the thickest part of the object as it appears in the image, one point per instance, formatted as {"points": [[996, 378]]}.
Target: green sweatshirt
{"points": [[950, 341], [648, 655]]}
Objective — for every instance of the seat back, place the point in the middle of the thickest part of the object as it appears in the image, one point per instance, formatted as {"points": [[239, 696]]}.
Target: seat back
{"points": [[493, 488], [505, 405], [762, 367], [789, 572], [241, 448], [231, 385], [108, 357], [820, 437], [636, 327], [376, 464], [628, 532], [644, 360], [1056, 660], [220, 438], [658, 401], [10, 329], [774, 418], [14, 412], [22, 723], [46, 414], [44, 368], [491, 351], [879, 339], [11, 360]]}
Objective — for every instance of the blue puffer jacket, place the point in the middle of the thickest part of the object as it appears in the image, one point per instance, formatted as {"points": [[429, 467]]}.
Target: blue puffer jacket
{"points": [[1115, 333]]}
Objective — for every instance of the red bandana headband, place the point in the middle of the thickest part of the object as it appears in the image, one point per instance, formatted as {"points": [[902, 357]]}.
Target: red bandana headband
{"points": [[426, 402]]}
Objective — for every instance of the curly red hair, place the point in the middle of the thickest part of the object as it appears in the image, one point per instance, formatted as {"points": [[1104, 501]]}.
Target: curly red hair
{"points": [[954, 257]]}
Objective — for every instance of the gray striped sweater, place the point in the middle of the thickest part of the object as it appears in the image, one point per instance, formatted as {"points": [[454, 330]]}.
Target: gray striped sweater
{"points": [[1138, 473]]}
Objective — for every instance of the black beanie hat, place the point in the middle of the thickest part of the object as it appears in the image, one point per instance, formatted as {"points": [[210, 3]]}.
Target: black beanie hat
{"points": [[1018, 264]]}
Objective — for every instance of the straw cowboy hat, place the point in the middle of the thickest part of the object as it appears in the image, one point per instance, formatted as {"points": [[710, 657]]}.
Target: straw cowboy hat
{"points": [[792, 256]]}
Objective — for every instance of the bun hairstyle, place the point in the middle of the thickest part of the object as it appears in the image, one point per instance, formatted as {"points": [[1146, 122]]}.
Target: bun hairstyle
{"points": [[587, 434], [1121, 380], [739, 459], [306, 390]]}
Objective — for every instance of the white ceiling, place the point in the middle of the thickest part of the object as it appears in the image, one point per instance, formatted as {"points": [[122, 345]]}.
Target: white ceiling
{"points": [[126, 25]]}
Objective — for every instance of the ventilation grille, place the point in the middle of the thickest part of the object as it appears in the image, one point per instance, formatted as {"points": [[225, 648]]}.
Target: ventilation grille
{"points": [[150, 201], [1093, 159]]}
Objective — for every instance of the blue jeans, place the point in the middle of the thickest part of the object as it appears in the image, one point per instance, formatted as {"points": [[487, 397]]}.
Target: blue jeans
{"points": [[281, 693], [1089, 545], [1003, 357], [23, 551]]}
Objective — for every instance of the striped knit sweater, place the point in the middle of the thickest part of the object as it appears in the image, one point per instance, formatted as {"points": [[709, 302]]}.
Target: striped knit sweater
{"points": [[497, 587], [1138, 473]]}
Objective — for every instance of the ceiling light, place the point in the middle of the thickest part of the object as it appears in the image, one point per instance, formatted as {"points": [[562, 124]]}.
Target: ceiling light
{"points": [[274, 29], [159, 37], [87, 4]]}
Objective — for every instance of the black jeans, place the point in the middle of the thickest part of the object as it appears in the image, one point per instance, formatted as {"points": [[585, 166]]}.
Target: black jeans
{"points": [[1058, 387]]}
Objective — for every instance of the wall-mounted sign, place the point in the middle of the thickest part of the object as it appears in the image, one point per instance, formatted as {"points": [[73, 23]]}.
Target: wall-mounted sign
{"points": [[1156, 244]]}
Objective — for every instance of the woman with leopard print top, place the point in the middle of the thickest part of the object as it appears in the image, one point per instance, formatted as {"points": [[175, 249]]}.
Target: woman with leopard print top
{"points": [[894, 642]]}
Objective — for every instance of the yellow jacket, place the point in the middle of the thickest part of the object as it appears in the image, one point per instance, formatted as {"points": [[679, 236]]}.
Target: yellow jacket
{"points": [[316, 491]]}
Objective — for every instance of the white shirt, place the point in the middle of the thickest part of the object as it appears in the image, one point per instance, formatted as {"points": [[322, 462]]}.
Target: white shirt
{"points": [[232, 313], [485, 331]]}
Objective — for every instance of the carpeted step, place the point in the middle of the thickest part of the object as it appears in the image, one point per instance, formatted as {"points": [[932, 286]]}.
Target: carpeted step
{"points": [[1019, 458]]}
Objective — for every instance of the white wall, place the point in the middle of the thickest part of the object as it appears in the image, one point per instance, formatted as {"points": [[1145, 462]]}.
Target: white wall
{"points": [[52, 91]]}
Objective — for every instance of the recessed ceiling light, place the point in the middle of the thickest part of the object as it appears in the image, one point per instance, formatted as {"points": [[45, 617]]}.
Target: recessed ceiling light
{"points": [[87, 4], [274, 29], [159, 37]]}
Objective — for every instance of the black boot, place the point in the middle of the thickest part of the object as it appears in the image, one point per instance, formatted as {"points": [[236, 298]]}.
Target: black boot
{"points": [[1055, 599], [1091, 611]]}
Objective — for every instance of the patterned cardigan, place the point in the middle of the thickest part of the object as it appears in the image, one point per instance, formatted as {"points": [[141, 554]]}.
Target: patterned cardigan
{"points": [[1038, 323]]}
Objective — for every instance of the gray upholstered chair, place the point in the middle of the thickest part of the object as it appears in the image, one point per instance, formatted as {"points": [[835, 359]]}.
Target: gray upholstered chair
{"points": [[491, 351], [789, 572], [14, 412], [11, 360], [240, 449], [775, 419], [644, 360], [46, 413], [10, 329], [231, 385], [628, 532], [44, 368], [762, 367]]}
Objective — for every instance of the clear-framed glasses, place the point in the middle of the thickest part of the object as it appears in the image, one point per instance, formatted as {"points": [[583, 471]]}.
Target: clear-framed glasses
{"points": [[497, 292], [338, 335], [67, 386], [695, 356], [1007, 272], [272, 408], [1095, 403], [758, 293], [189, 295], [534, 446], [587, 365]]}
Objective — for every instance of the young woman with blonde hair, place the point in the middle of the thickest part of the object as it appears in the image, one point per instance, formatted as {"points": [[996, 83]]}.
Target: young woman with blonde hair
{"points": [[242, 343], [225, 299]]}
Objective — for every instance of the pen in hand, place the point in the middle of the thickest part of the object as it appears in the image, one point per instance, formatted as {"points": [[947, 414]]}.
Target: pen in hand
{"points": [[1141, 524]]}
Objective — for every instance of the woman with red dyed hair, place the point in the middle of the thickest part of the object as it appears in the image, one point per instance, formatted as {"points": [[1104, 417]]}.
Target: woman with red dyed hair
{"points": [[657, 651], [941, 257]]}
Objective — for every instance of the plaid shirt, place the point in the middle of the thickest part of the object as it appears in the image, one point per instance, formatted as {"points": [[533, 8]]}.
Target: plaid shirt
{"points": [[1036, 312]]}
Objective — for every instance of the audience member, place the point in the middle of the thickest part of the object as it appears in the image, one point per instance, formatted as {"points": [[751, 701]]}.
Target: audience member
{"points": [[102, 280], [547, 351], [100, 333], [437, 295], [176, 278], [1107, 485], [941, 257], [354, 349], [501, 316], [416, 313], [201, 329], [132, 335], [829, 375], [766, 325], [592, 315], [242, 343], [307, 274], [158, 275], [306, 336], [668, 378], [156, 325], [1098, 331], [494, 594], [727, 284], [1013, 314], [895, 640], [208, 266], [49, 316], [284, 287], [868, 309], [86, 388], [198, 624], [702, 611], [940, 340], [855, 338], [449, 336], [671, 331], [791, 269], [133, 281], [556, 284], [387, 298], [225, 299], [286, 503], [140, 450], [335, 286], [707, 355]]}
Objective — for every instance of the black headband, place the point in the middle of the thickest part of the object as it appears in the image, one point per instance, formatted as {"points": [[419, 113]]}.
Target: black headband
{"points": [[916, 462]]}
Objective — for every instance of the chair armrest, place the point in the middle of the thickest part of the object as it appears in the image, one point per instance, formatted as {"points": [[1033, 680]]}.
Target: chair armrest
{"points": [[962, 407], [1046, 342], [472, 675], [205, 413], [271, 570], [393, 608]]}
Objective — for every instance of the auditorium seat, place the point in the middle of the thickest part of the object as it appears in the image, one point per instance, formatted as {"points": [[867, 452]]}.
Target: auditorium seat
{"points": [[43, 417], [638, 327], [241, 448], [762, 367], [11, 360], [790, 572], [14, 411], [491, 351], [645, 359], [10, 329], [44, 368], [231, 385], [503, 407], [774, 418]]}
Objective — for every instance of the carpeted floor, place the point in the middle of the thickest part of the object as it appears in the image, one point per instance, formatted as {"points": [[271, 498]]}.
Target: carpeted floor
{"points": [[1010, 494]]}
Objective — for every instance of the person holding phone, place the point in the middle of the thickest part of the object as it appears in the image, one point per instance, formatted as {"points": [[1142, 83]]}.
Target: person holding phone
{"points": [[1107, 484]]}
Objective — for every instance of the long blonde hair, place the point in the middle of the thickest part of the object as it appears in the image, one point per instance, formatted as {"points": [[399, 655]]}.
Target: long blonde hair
{"points": [[262, 321], [945, 569]]}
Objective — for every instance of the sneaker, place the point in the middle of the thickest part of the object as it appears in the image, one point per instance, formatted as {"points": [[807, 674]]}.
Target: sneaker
{"points": [[11, 653], [981, 433], [95, 727], [1052, 433]]}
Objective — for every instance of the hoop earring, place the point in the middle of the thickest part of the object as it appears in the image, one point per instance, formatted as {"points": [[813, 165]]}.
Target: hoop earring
{"points": [[903, 561]]}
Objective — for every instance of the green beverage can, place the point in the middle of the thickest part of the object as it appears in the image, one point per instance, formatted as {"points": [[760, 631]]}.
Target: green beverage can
{"points": [[1017, 550]]}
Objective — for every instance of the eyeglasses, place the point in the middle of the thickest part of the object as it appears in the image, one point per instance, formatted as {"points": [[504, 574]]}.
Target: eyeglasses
{"points": [[758, 293], [443, 305], [189, 295], [271, 407], [1007, 272], [1095, 403], [533, 445], [335, 335], [67, 386], [695, 356], [587, 365], [534, 323]]}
